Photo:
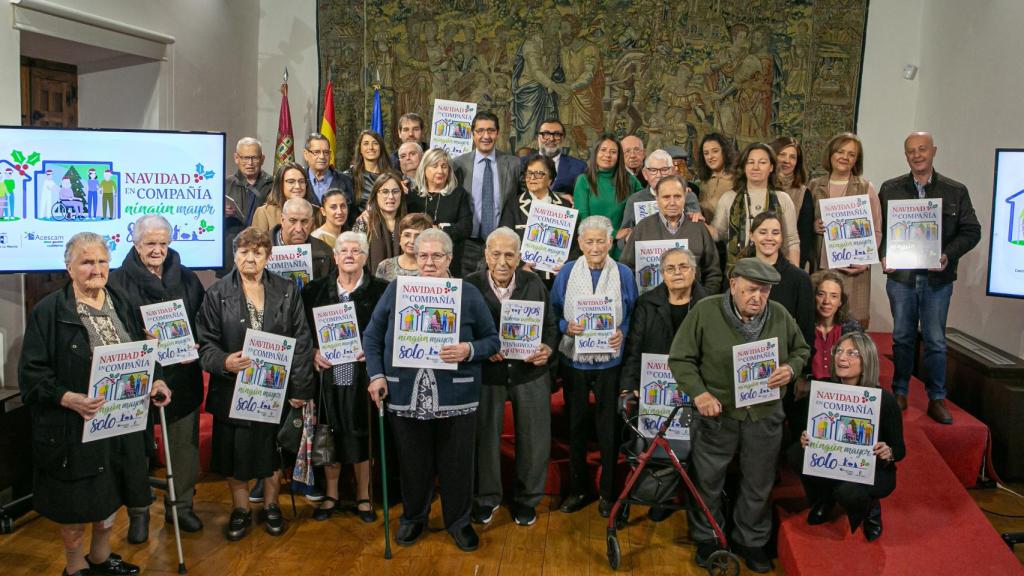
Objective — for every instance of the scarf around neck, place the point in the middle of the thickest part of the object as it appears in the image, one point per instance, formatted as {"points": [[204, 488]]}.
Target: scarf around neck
{"points": [[580, 286], [751, 329], [740, 217]]}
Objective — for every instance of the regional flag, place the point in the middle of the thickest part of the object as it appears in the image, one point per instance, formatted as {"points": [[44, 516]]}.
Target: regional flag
{"points": [[327, 124], [285, 151]]}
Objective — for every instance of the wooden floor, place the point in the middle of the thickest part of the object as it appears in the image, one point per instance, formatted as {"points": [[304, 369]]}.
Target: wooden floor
{"points": [[557, 544]]}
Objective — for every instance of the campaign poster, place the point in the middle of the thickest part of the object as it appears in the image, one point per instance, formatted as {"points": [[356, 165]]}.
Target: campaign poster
{"points": [[849, 231], [451, 128], [337, 331], [122, 375], [642, 210], [522, 323], [647, 264], [260, 389], [913, 239], [292, 262], [842, 429], [597, 316], [1006, 253], [752, 364], [548, 236], [169, 323], [659, 395], [427, 312]]}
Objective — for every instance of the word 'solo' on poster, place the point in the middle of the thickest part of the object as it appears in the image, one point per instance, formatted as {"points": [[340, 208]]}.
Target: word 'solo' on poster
{"points": [[292, 262], [548, 236], [597, 316], [338, 333], [521, 328], [451, 129], [169, 323], [842, 429], [648, 261], [260, 389], [849, 231], [121, 374], [659, 395], [427, 312], [752, 364], [913, 239], [644, 209]]}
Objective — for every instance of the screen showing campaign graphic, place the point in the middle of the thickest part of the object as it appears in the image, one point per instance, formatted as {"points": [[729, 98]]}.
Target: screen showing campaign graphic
{"points": [[1006, 254], [55, 183]]}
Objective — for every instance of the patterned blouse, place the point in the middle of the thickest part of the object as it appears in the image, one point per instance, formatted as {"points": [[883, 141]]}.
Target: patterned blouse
{"points": [[424, 399], [390, 269], [103, 325]]}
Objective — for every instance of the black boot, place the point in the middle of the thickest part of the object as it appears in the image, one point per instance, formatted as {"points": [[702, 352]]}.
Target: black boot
{"points": [[138, 525], [187, 519], [819, 512], [873, 522]]}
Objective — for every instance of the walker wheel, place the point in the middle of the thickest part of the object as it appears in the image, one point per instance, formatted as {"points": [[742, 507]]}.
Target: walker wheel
{"points": [[723, 563], [614, 552]]}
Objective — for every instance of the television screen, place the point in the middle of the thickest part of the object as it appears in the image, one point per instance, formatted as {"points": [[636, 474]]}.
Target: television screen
{"points": [[1006, 253], [55, 183]]}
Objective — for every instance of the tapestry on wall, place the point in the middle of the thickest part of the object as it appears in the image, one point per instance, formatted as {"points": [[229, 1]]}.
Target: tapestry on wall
{"points": [[669, 72]]}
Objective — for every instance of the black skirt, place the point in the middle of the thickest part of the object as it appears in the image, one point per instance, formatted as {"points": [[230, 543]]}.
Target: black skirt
{"points": [[80, 501], [347, 411], [244, 452]]}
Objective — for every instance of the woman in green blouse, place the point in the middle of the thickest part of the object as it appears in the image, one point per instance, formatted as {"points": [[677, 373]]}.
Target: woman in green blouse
{"points": [[602, 190]]}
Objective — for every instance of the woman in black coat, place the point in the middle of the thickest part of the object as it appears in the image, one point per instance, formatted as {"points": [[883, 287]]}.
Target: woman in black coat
{"points": [[152, 273], [446, 202], [76, 483], [343, 387], [250, 297], [539, 174]]}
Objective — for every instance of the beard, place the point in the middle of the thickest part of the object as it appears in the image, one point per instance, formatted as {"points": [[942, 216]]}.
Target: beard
{"points": [[550, 151]]}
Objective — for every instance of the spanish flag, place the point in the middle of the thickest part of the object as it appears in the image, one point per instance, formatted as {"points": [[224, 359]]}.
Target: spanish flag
{"points": [[327, 124]]}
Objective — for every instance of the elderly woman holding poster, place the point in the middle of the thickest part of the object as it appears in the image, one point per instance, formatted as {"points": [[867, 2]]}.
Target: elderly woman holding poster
{"points": [[433, 409], [76, 483], [855, 363], [250, 298]]}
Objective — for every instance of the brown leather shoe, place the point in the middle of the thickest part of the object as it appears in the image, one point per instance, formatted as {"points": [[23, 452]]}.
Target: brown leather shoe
{"points": [[901, 400], [937, 411]]}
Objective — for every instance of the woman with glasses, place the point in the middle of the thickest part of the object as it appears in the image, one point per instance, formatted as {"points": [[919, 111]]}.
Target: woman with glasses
{"points": [[369, 160], [380, 220], [855, 363], [334, 213], [538, 176], [289, 182], [446, 202], [605, 186]]}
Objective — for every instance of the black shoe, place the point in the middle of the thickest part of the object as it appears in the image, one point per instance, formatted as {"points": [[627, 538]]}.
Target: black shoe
{"points": [[483, 514], [367, 516], [274, 520], [323, 512], [659, 513], [604, 507], [187, 519], [819, 512], [524, 515], [576, 502], [755, 557], [256, 494], [113, 566], [873, 522], [239, 524], [408, 534], [138, 525], [704, 551], [466, 538]]}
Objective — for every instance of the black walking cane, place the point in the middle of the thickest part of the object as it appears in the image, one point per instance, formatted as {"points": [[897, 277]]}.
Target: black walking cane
{"points": [[384, 478], [170, 484]]}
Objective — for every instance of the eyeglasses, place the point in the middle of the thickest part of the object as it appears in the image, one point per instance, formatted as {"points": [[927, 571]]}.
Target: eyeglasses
{"points": [[396, 192], [536, 174], [682, 269], [349, 252], [850, 352], [249, 159], [434, 257], [551, 135], [482, 131], [324, 153], [663, 171], [294, 181], [634, 150]]}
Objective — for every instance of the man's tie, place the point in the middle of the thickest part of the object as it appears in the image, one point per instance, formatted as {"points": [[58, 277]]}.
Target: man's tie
{"points": [[487, 210]]}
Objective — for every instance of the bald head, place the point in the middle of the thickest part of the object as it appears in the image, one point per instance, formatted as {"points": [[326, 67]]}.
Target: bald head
{"points": [[919, 148]]}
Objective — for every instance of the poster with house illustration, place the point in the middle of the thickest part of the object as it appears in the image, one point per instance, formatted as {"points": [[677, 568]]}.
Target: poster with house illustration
{"points": [[648, 261], [597, 316], [842, 428], [913, 237], [169, 323], [122, 375], [451, 128], [658, 396], [260, 389], [548, 236], [292, 262], [752, 365], [427, 312], [338, 333], [849, 231], [521, 328]]}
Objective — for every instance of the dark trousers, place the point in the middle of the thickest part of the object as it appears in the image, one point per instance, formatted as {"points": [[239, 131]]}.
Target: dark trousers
{"points": [[853, 497], [605, 385], [443, 447]]}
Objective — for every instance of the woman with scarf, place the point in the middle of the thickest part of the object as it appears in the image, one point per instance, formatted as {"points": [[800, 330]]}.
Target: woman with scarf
{"points": [[792, 179], [380, 220]]}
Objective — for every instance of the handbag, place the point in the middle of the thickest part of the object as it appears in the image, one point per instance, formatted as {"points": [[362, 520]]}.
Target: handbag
{"points": [[324, 452], [290, 434]]}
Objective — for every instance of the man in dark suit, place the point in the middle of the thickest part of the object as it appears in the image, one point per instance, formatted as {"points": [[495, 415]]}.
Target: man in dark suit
{"points": [[491, 177], [549, 143], [410, 129]]}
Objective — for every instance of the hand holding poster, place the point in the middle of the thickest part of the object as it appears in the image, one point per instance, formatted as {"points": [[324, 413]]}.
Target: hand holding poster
{"points": [[260, 389], [427, 312], [452, 126], [849, 231], [642, 210], [122, 375], [914, 236], [169, 323], [752, 364], [842, 429], [597, 316], [338, 333], [521, 328], [292, 262], [659, 395], [548, 236], [648, 261]]}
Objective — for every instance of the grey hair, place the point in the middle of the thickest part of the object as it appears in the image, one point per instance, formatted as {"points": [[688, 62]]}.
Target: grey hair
{"points": [[431, 158], [248, 141], [684, 251], [658, 154], [868, 357], [597, 222], [435, 235], [350, 236], [297, 204], [149, 222], [503, 232], [80, 241], [409, 143]]}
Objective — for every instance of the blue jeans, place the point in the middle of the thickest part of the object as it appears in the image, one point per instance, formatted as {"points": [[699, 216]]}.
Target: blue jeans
{"points": [[928, 305]]}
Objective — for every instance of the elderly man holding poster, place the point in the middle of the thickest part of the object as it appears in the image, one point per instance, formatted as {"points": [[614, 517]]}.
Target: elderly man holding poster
{"points": [[702, 359], [519, 306], [431, 389]]}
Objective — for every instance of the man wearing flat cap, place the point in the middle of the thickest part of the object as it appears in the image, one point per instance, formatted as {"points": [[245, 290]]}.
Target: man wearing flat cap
{"points": [[701, 359]]}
